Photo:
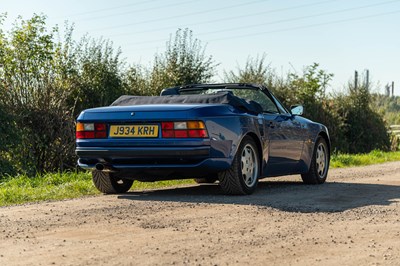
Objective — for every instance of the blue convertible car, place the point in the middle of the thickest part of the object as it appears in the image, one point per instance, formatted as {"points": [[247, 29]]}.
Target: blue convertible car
{"points": [[231, 133]]}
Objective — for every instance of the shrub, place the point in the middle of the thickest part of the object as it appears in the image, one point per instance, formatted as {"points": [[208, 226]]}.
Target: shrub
{"points": [[184, 62]]}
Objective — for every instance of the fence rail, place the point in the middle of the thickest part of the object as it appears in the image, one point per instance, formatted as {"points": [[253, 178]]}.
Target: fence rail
{"points": [[395, 130]]}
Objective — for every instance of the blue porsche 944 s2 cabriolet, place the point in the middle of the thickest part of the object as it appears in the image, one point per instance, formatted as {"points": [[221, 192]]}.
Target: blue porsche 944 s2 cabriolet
{"points": [[231, 133]]}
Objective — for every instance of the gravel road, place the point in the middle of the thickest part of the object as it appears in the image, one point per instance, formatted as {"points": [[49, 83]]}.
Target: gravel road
{"points": [[353, 219]]}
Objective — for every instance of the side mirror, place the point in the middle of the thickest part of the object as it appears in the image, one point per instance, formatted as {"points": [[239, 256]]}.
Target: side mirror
{"points": [[297, 109]]}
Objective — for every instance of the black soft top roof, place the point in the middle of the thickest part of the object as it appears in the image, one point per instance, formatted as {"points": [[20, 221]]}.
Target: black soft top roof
{"points": [[217, 98]]}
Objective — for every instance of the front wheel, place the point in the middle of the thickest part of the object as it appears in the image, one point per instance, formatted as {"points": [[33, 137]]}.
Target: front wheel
{"points": [[242, 177], [110, 184], [319, 164]]}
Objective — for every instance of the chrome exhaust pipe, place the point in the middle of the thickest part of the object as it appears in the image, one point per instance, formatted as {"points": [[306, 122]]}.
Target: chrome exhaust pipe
{"points": [[99, 166], [104, 168]]}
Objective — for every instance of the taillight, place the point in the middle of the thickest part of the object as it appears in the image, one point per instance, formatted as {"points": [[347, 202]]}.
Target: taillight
{"points": [[91, 130], [184, 129]]}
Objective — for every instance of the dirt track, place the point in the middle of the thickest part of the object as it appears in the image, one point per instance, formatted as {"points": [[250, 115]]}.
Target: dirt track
{"points": [[354, 219]]}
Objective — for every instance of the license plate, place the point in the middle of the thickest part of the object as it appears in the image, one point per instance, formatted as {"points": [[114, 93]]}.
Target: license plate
{"points": [[134, 131]]}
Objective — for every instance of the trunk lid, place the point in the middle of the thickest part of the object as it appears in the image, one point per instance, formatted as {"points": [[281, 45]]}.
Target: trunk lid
{"points": [[153, 112]]}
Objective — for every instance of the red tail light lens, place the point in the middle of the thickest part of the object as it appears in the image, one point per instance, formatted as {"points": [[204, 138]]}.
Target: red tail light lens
{"points": [[181, 134], [167, 125], [100, 127], [198, 133], [91, 130], [184, 129], [168, 134], [100, 134]]}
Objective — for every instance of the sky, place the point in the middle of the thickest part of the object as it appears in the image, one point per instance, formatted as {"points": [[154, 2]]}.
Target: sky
{"points": [[341, 36]]}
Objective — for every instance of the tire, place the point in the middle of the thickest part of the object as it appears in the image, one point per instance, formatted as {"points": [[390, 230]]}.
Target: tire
{"points": [[319, 166], [109, 184], [205, 180], [242, 177]]}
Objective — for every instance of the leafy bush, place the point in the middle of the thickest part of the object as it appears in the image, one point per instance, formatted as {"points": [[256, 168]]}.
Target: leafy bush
{"points": [[137, 81], [365, 128], [97, 74], [184, 62], [256, 71], [7, 129], [47, 80], [34, 92]]}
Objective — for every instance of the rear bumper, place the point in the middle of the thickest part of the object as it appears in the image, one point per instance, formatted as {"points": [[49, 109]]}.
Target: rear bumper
{"points": [[195, 152], [210, 165], [153, 161]]}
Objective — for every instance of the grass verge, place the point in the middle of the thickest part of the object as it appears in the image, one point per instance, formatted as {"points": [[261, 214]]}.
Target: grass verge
{"points": [[56, 186], [23, 189], [374, 157]]}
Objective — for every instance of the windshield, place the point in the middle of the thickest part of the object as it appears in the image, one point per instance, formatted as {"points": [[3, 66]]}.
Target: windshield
{"points": [[250, 95]]}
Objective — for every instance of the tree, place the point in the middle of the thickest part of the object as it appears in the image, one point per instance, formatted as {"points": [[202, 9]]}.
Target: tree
{"points": [[137, 81], [184, 62], [365, 128], [98, 74], [255, 71], [310, 87], [46, 80], [34, 92]]}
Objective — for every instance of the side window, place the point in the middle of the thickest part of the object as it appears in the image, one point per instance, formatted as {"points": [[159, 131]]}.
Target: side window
{"points": [[267, 104], [259, 97]]}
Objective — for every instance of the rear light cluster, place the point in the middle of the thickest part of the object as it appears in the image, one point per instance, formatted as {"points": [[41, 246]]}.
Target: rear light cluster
{"points": [[91, 131], [186, 129]]}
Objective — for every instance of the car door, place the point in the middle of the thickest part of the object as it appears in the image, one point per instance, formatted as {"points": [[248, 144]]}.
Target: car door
{"points": [[285, 136]]}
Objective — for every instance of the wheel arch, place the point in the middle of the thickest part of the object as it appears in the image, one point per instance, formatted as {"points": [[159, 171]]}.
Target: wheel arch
{"points": [[309, 148], [233, 180], [312, 175]]}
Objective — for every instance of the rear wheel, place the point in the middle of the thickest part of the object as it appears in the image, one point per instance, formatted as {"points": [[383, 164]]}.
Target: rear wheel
{"points": [[242, 177], [110, 184], [319, 164]]}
